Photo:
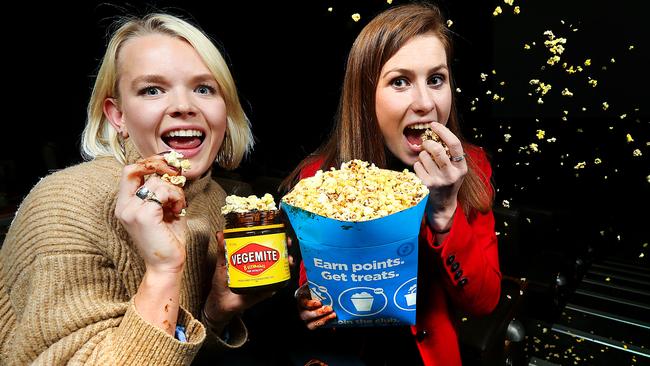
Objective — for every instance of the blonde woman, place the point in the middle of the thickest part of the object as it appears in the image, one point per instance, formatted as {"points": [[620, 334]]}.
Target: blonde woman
{"points": [[105, 262]]}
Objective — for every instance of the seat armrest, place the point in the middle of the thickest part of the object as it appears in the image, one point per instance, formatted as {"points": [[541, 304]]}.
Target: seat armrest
{"points": [[481, 335]]}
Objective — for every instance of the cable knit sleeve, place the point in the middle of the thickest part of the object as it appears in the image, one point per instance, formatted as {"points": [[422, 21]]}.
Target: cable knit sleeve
{"points": [[63, 298]]}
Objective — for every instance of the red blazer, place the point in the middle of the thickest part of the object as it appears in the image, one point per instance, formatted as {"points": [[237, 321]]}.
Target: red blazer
{"points": [[464, 268]]}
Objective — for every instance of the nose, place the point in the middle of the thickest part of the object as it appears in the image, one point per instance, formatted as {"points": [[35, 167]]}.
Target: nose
{"points": [[181, 106], [423, 99]]}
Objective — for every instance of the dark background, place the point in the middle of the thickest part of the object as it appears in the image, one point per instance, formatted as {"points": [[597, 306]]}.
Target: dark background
{"points": [[288, 61]]}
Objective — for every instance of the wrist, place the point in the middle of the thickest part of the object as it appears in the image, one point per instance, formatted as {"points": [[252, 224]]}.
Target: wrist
{"points": [[216, 323], [162, 279], [442, 220], [157, 300], [166, 270]]}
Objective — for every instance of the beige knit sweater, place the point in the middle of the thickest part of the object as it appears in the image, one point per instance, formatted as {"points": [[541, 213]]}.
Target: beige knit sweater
{"points": [[68, 273]]}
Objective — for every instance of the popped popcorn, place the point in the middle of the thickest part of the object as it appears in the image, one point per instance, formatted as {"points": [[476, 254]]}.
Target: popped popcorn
{"points": [[173, 158], [176, 160], [428, 134], [251, 203], [177, 180], [358, 191]]}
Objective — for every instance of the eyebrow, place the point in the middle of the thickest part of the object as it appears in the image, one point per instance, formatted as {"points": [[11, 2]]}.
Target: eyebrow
{"points": [[149, 78], [204, 77], [159, 79], [407, 71]]}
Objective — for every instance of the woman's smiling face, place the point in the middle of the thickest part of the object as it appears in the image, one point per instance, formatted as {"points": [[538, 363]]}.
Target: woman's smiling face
{"points": [[168, 100]]}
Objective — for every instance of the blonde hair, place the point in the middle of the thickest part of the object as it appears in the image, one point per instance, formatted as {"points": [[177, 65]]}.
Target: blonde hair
{"points": [[101, 139]]}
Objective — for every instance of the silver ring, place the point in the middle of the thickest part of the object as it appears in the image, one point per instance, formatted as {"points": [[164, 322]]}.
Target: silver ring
{"points": [[145, 194], [456, 159]]}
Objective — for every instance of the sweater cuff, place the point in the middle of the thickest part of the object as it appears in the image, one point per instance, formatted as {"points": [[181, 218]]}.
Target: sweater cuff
{"points": [[233, 336], [152, 345]]}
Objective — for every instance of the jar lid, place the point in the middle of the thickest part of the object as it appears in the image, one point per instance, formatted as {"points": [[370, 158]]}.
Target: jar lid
{"points": [[250, 228]]}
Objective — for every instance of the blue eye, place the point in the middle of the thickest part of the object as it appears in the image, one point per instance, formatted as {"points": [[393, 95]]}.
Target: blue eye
{"points": [[150, 91], [205, 89]]}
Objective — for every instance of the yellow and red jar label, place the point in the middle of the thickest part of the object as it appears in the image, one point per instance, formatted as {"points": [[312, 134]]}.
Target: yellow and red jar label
{"points": [[256, 260]]}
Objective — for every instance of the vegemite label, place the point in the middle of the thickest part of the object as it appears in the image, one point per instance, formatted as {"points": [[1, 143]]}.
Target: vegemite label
{"points": [[257, 260], [254, 259]]}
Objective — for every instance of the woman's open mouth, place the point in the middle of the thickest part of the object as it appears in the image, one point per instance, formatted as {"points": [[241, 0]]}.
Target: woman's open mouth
{"points": [[187, 141], [183, 139], [413, 133]]}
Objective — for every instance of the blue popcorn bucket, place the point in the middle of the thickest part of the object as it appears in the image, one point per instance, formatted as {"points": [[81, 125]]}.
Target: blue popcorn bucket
{"points": [[367, 270]]}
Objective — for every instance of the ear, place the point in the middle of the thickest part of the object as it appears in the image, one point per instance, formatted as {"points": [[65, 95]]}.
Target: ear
{"points": [[115, 116]]}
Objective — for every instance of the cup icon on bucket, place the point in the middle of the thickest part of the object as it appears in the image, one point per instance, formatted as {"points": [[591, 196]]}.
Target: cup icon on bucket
{"points": [[411, 295], [317, 294], [362, 301]]}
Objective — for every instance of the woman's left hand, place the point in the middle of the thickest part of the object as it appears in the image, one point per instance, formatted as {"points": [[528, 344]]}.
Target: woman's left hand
{"points": [[222, 304], [443, 175]]}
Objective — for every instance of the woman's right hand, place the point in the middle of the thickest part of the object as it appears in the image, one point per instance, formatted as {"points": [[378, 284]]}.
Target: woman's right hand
{"points": [[155, 228], [312, 312]]}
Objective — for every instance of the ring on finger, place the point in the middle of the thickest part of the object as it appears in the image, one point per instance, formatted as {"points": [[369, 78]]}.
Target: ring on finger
{"points": [[456, 159], [146, 194]]}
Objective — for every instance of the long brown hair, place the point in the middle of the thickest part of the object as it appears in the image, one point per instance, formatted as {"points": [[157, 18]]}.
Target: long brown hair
{"points": [[357, 134]]}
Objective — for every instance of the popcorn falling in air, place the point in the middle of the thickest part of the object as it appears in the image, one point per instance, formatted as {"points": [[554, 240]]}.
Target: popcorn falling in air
{"points": [[580, 165]]}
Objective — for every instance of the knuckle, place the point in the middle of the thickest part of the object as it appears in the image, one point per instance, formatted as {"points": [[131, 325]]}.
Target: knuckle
{"points": [[125, 216], [438, 150], [455, 145], [129, 169]]}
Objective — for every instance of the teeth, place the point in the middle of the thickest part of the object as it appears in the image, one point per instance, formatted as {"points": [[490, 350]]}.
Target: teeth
{"points": [[420, 126], [184, 133]]}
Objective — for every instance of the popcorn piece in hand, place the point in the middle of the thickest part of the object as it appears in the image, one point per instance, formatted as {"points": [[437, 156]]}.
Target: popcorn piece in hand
{"points": [[173, 158], [428, 134], [177, 180], [424, 132], [176, 160]]}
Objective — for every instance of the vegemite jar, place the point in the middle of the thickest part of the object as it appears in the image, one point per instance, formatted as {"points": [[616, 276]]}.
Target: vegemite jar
{"points": [[256, 251]]}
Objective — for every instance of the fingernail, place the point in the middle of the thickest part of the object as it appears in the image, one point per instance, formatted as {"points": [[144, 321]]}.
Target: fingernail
{"points": [[164, 152]]}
